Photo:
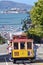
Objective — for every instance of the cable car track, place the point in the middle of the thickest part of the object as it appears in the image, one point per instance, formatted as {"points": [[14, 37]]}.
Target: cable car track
{"points": [[29, 62]]}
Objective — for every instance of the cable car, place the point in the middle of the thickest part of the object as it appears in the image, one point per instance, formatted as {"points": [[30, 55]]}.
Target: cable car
{"points": [[22, 48]]}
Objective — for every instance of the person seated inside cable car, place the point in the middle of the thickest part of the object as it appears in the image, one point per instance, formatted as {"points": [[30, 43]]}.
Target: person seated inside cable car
{"points": [[22, 45], [15, 45]]}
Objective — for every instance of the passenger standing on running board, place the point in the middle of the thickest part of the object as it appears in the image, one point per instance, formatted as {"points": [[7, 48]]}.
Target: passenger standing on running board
{"points": [[10, 50]]}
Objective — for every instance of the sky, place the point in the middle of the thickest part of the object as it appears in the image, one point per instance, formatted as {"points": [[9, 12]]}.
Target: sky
{"points": [[29, 2]]}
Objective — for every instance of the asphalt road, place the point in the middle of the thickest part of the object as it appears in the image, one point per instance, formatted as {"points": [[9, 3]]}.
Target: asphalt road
{"points": [[4, 58]]}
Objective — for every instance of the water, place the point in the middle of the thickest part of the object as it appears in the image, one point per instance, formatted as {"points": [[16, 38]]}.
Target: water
{"points": [[11, 22]]}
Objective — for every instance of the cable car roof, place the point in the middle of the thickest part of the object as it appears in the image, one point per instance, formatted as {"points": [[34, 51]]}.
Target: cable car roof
{"points": [[22, 40]]}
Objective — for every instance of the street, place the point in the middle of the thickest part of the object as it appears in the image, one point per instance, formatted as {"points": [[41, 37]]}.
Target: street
{"points": [[4, 58]]}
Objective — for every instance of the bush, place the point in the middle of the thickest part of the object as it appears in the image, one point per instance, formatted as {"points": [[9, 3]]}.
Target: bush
{"points": [[2, 40], [36, 38]]}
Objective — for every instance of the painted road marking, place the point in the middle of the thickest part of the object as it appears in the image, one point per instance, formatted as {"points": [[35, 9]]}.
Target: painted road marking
{"points": [[40, 63], [6, 61]]}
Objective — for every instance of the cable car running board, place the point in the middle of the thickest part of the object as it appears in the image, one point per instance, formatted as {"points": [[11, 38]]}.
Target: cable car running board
{"points": [[25, 61]]}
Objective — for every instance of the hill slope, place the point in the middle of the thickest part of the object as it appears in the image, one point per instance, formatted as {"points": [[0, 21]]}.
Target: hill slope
{"points": [[10, 4]]}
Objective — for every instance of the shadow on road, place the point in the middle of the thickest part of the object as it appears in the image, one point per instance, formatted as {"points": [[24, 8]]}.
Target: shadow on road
{"points": [[3, 57]]}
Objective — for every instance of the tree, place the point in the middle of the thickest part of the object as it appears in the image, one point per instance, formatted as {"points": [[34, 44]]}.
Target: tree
{"points": [[36, 18], [36, 15], [26, 23], [2, 40]]}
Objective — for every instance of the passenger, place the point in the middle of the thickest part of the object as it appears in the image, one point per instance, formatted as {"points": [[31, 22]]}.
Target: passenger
{"points": [[15, 47], [9, 51]]}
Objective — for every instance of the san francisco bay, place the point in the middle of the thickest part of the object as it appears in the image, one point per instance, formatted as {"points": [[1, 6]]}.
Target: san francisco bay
{"points": [[11, 22]]}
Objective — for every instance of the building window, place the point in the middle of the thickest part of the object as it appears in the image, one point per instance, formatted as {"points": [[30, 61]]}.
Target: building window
{"points": [[29, 45], [22, 45], [15, 45]]}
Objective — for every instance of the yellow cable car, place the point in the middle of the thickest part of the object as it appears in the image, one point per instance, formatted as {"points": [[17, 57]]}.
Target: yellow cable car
{"points": [[22, 48]]}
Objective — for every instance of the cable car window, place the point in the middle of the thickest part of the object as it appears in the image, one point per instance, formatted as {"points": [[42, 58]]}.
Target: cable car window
{"points": [[29, 45], [22, 45], [15, 45]]}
